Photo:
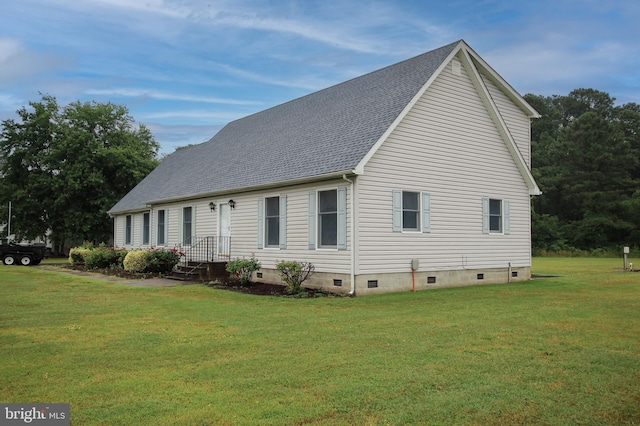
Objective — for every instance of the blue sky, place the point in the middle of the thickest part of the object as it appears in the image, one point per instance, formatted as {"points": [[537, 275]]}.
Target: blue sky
{"points": [[187, 67]]}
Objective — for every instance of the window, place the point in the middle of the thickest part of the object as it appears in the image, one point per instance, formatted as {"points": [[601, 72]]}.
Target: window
{"points": [[411, 211], [328, 218], [145, 229], [272, 220], [128, 229], [187, 225], [161, 238], [495, 216]]}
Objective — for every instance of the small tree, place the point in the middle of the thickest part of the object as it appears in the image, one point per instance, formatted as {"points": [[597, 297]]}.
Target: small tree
{"points": [[243, 268], [294, 273]]}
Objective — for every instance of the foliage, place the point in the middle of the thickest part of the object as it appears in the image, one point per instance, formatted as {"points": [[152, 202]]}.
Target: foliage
{"points": [[585, 158], [294, 273], [162, 260], [64, 167], [101, 257], [105, 257], [243, 268], [135, 261], [77, 255]]}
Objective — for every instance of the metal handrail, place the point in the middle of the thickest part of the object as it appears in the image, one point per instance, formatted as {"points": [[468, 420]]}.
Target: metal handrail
{"points": [[206, 249]]}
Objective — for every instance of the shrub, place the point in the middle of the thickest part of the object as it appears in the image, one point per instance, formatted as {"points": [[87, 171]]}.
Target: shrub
{"points": [[135, 261], [159, 260], [77, 255], [243, 268], [294, 273], [105, 257]]}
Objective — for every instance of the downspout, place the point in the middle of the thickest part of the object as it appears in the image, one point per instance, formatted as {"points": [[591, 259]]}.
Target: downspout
{"points": [[352, 292]]}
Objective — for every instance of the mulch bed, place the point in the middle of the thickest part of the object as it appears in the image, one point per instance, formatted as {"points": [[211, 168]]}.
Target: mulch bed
{"points": [[266, 289]]}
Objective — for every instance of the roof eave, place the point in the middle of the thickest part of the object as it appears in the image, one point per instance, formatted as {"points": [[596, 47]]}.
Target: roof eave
{"points": [[252, 188]]}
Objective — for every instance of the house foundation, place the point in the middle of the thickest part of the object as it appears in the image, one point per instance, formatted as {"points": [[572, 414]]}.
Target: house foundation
{"points": [[404, 281]]}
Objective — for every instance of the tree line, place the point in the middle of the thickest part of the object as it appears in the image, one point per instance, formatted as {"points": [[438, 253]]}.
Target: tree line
{"points": [[585, 158], [64, 167]]}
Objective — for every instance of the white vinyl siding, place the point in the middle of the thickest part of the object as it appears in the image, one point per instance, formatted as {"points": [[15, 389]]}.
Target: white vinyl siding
{"points": [[449, 145], [517, 121], [245, 232]]}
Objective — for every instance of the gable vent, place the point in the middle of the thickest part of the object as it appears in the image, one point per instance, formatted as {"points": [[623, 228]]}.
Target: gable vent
{"points": [[455, 67]]}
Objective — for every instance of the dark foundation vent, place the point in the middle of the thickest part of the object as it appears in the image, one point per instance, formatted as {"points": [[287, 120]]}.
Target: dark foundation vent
{"points": [[431, 280], [259, 274], [337, 283], [481, 276], [514, 274], [372, 284]]}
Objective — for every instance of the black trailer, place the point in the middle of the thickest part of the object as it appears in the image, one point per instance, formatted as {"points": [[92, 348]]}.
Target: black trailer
{"points": [[19, 254]]}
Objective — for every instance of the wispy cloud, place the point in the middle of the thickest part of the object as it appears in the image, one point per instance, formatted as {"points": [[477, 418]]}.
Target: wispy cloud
{"points": [[210, 116], [155, 94]]}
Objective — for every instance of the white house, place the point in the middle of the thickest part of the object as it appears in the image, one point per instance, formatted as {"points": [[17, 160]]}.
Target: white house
{"points": [[417, 174]]}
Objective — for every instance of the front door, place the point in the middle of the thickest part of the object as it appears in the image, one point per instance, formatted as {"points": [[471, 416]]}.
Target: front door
{"points": [[224, 230]]}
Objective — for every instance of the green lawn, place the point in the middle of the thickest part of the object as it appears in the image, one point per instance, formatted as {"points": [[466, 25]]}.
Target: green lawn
{"points": [[562, 350]]}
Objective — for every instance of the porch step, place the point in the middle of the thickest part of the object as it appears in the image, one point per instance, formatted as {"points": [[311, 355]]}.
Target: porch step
{"points": [[199, 271]]}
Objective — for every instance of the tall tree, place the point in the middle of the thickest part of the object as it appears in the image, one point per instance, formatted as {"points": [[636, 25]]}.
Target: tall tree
{"points": [[64, 168], [585, 158]]}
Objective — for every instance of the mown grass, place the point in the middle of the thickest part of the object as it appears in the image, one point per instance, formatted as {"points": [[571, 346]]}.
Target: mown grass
{"points": [[561, 350]]}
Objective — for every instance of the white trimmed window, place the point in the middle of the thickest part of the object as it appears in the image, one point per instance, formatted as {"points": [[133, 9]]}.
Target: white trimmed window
{"points": [[187, 225], [411, 211], [128, 229], [146, 219], [161, 221], [328, 219], [495, 216], [272, 222]]}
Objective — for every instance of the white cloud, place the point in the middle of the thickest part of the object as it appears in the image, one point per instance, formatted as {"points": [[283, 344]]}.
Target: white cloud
{"points": [[18, 62], [209, 116], [155, 94]]}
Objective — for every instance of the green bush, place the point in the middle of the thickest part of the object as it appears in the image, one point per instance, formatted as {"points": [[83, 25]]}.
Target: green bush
{"points": [[77, 255], [162, 261], [105, 257], [135, 261], [294, 273], [243, 268]]}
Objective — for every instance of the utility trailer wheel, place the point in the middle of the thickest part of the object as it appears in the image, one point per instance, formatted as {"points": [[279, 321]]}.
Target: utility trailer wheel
{"points": [[9, 260], [25, 260]]}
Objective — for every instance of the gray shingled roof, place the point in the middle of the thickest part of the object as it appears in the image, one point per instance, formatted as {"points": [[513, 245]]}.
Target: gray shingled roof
{"points": [[325, 132]]}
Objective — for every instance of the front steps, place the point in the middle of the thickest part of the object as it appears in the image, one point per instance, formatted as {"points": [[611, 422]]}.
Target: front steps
{"points": [[199, 271]]}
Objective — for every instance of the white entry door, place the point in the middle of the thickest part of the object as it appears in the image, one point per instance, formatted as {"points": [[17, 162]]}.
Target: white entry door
{"points": [[224, 230]]}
